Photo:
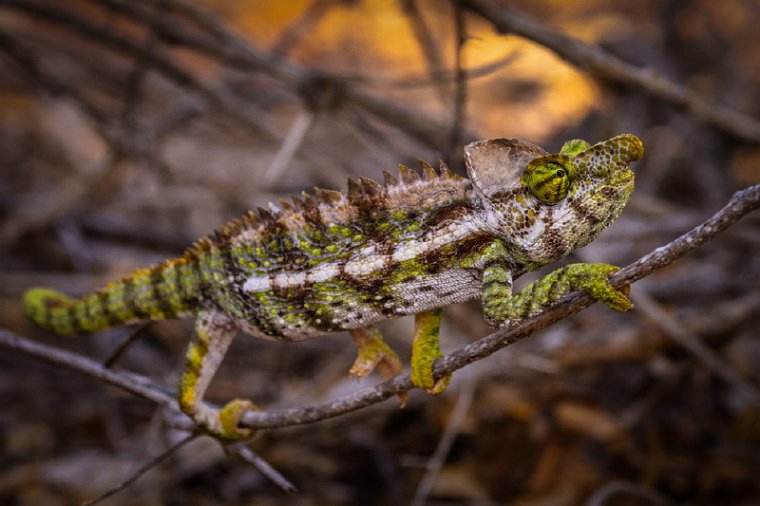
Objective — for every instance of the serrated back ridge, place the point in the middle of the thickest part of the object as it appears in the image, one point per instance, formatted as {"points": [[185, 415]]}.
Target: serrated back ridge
{"points": [[362, 197]]}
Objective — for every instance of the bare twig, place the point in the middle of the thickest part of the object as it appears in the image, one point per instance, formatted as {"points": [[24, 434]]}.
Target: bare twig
{"points": [[127, 343], [596, 61], [297, 30], [433, 78], [132, 383], [141, 471], [262, 465], [427, 44], [290, 144], [454, 423], [675, 331], [460, 85], [623, 488]]}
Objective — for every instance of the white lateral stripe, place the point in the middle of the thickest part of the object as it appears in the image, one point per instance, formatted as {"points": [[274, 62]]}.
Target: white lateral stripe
{"points": [[288, 279], [257, 284], [364, 266], [409, 250], [323, 273], [364, 263], [413, 249]]}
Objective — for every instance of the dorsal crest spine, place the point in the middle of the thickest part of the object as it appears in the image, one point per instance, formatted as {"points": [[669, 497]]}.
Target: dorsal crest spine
{"points": [[363, 198]]}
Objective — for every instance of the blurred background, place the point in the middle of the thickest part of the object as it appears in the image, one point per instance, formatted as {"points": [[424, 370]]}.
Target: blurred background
{"points": [[130, 128]]}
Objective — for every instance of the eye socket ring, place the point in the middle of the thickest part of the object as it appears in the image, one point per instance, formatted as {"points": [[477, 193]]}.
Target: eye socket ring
{"points": [[548, 180]]}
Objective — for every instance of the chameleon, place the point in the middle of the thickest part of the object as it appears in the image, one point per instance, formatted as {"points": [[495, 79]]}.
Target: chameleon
{"points": [[346, 260]]}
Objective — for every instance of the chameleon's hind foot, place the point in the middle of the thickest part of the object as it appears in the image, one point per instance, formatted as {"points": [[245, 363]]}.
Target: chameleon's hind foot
{"points": [[224, 423], [229, 420], [212, 337], [374, 353]]}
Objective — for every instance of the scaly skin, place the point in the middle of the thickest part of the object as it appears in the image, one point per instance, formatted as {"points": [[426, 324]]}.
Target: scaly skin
{"points": [[347, 260]]}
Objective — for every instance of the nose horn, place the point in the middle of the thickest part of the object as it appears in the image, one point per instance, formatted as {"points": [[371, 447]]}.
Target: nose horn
{"points": [[629, 145]]}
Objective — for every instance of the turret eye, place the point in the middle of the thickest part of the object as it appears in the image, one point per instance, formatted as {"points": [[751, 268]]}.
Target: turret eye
{"points": [[548, 181]]}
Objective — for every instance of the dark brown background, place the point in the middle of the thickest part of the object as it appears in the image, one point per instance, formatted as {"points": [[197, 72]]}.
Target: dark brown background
{"points": [[127, 129]]}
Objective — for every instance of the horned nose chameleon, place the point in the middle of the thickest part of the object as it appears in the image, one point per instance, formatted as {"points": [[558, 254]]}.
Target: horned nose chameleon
{"points": [[346, 260]]}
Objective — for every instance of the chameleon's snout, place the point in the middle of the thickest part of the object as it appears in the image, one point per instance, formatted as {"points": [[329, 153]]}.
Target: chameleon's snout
{"points": [[630, 146]]}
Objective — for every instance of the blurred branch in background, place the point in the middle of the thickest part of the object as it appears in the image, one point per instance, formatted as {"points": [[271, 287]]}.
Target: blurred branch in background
{"points": [[608, 67]]}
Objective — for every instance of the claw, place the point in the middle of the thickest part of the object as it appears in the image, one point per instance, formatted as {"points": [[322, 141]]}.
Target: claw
{"points": [[598, 285], [229, 417], [374, 353]]}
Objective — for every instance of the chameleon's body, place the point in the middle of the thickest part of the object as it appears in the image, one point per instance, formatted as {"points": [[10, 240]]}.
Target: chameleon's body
{"points": [[346, 260]]}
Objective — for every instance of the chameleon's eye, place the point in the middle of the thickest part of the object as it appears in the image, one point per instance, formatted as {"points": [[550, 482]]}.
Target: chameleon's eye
{"points": [[548, 181]]}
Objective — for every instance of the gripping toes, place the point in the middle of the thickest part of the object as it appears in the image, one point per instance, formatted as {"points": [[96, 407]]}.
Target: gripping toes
{"points": [[426, 350], [422, 374], [590, 278], [374, 353], [229, 419], [594, 280]]}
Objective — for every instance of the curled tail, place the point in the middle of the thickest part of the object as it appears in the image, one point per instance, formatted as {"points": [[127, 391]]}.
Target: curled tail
{"points": [[167, 290]]}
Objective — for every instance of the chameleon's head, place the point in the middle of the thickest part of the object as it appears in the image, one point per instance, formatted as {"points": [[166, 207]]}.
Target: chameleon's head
{"points": [[547, 205]]}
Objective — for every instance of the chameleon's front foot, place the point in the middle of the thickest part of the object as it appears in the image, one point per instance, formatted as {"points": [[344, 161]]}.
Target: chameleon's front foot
{"points": [[422, 374], [426, 351], [594, 279], [590, 278]]}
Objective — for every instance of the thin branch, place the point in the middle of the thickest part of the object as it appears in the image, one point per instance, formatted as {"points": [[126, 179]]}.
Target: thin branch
{"points": [[132, 383], [675, 331], [444, 76], [141, 471], [289, 146], [629, 491], [262, 466], [454, 424], [596, 61], [460, 84], [427, 44], [134, 335], [739, 205], [301, 27]]}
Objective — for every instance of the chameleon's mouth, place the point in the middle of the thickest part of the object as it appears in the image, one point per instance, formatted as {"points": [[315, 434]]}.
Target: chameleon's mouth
{"points": [[600, 207], [611, 196]]}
